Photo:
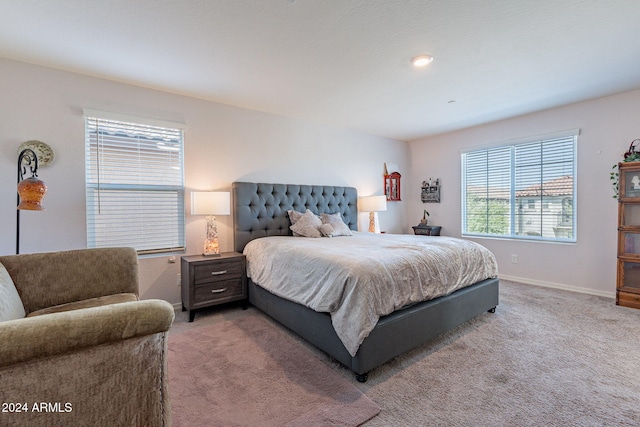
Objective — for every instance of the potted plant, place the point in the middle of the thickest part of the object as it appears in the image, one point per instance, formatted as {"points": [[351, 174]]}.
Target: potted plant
{"points": [[630, 156], [424, 217]]}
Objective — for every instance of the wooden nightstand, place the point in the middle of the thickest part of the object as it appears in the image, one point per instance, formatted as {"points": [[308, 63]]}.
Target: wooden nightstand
{"points": [[208, 281], [426, 230]]}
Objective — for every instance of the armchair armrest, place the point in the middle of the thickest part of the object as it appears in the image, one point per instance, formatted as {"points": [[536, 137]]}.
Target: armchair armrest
{"points": [[58, 333]]}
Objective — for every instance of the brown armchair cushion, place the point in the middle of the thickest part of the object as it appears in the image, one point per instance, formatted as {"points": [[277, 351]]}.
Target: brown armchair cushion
{"points": [[87, 303]]}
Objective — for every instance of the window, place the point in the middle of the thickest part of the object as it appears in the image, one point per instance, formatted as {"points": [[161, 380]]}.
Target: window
{"points": [[524, 190], [134, 184]]}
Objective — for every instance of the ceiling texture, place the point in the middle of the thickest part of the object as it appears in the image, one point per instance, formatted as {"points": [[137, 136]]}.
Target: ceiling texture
{"points": [[344, 63]]}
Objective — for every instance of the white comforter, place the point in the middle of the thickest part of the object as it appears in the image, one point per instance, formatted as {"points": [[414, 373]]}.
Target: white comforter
{"points": [[359, 278]]}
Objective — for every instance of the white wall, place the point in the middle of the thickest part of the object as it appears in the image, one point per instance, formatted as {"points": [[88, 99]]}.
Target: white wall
{"points": [[607, 125], [222, 144]]}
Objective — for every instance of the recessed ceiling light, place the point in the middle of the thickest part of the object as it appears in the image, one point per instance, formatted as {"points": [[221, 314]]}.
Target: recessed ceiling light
{"points": [[422, 60]]}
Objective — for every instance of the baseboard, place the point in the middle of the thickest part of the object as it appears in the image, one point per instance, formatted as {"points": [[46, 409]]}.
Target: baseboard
{"points": [[558, 286]]}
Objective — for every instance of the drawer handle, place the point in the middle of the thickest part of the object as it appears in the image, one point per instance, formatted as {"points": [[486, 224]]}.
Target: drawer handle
{"points": [[218, 273], [218, 291]]}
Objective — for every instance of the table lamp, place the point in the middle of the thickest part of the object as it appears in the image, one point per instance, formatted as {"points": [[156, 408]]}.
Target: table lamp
{"points": [[373, 205], [211, 203]]}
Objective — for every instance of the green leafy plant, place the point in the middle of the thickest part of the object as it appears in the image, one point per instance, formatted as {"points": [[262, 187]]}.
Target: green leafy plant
{"points": [[614, 176], [487, 216], [630, 156]]}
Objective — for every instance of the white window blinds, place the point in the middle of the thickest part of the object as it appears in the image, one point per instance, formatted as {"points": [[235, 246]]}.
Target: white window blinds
{"points": [[524, 190], [135, 187]]}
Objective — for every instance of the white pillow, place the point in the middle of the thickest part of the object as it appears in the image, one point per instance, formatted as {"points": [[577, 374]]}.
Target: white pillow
{"points": [[333, 225], [308, 225], [11, 307]]}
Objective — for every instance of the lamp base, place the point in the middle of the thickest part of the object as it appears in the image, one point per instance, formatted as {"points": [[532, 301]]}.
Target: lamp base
{"points": [[211, 245], [210, 255], [374, 225]]}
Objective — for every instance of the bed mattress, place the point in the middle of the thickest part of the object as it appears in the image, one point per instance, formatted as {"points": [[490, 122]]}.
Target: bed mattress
{"points": [[357, 279]]}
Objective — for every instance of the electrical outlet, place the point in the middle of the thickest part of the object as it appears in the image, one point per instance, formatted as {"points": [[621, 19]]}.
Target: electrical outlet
{"points": [[179, 280], [514, 259]]}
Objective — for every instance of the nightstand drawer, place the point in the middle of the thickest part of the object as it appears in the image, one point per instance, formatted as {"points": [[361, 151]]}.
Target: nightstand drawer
{"points": [[221, 290], [216, 272]]}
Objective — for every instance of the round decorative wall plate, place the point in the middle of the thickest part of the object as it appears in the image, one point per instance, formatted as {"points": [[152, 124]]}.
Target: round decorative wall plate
{"points": [[43, 151]]}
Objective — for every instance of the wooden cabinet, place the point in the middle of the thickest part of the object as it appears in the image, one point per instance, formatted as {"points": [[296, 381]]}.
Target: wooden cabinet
{"points": [[208, 281], [392, 187], [628, 275]]}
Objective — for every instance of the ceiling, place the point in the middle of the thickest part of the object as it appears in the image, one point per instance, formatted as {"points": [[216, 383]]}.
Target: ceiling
{"points": [[344, 63]]}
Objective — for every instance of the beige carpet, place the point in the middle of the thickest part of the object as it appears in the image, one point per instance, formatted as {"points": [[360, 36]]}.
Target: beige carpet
{"points": [[546, 358], [247, 372]]}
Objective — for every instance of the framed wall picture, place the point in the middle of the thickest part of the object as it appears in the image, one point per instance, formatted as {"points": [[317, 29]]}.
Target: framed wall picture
{"points": [[392, 187], [430, 191]]}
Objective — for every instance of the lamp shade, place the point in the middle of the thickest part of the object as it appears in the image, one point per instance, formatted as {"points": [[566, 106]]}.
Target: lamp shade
{"points": [[373, 203], [31, 191], [210, 203]]}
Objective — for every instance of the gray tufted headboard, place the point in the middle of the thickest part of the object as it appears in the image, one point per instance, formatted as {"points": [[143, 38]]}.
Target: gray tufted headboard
{"points": [[260, 210]]}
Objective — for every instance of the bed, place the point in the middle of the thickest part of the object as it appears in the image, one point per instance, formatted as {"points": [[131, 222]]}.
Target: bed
{"points": [[261, 211]]}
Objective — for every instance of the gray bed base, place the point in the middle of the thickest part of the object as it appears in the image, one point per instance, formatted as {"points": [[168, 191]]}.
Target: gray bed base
{"points": [[260, 210], [393, 335]]}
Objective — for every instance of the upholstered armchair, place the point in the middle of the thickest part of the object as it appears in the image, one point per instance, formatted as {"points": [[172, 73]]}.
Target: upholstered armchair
{"points": [[82, 349]]}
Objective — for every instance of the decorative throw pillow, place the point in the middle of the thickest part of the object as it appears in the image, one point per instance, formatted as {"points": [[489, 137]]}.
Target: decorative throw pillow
{"points": [[327, 230], [294, 216], [333, 225], [307, 226], [11, 307]]}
